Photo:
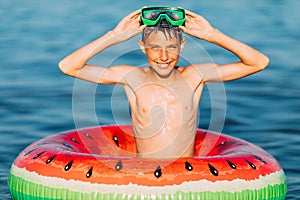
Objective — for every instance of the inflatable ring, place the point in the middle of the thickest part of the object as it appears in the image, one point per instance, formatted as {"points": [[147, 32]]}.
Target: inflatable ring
{"points": [[100, 163]]}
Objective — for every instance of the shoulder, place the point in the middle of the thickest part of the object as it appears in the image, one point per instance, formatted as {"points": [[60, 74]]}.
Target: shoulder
{"points": [[199, 73], [131, 74], [122, 69], [190, 70], [200, 70], [119, 74]]}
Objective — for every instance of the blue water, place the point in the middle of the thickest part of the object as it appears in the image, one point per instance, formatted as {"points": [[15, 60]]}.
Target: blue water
{"points": [[36, 98]]}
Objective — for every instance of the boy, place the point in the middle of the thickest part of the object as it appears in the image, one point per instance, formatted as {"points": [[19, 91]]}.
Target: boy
{"points": [[163, 97]]}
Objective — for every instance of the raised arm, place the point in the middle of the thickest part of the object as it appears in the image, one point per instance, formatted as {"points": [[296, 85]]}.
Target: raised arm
{"points": [[76, 65], [251, 60]]}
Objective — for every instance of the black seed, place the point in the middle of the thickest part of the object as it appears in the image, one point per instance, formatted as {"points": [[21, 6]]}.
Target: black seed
{"points": [[213, 170], [89, 136], [231, 164], [74, 140], [29, 152], [188, 166], [222, 143], [259, 158], [50, 159], [38, 155], [67, 145], [115, 138], [43, 143], [251, 164], [119, 165], [89, 173], [68, 166], [157, 172]]}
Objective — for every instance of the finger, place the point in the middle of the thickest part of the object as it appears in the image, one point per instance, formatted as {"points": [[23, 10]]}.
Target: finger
{"points": [[142, 27], [191, 14], [134, 14], [188, 19], [136, 19], [188, 22], [183, 28], [137, 16]]}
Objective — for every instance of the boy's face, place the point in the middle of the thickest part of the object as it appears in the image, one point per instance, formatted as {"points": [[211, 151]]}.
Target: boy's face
{"points": [[162, 52]]}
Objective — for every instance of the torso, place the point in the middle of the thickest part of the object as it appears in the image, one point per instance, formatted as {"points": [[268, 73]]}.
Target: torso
{"points": [[164, 114]]}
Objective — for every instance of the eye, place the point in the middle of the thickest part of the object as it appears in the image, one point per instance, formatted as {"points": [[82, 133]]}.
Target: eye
{"points": [[155, 48], [172, 47]]}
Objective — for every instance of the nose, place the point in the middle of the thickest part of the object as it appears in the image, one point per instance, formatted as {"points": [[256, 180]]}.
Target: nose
{"points": [[164, 55]]}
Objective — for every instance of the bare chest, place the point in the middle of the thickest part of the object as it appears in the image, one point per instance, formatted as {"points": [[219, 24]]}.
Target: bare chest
{"points": [[160, 98]]}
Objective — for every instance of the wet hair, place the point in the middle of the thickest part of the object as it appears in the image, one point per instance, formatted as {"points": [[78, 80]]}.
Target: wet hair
{"points": [[168, 30]]}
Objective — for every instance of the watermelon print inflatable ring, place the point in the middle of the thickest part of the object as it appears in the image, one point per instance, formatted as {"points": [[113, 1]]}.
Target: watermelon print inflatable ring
{"points": [[100, 163]]}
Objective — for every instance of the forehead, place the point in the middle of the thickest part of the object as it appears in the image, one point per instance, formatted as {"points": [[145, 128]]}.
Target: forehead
{"points": [[162, 37]]}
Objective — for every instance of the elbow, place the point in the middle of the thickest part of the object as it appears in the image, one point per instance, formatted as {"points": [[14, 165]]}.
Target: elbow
{"points": [[64, 68], [261, 63], [265, 61]]}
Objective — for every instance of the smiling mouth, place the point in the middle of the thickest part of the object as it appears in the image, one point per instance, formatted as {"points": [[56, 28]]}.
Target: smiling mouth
{"points": [[163, 65]]}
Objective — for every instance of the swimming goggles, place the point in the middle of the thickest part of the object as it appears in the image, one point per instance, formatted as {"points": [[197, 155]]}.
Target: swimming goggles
{"points": [[152, 15]]}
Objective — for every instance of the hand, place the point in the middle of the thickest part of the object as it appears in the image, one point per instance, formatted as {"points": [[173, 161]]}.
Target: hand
{"points": [[129, 26], [197, 26]]}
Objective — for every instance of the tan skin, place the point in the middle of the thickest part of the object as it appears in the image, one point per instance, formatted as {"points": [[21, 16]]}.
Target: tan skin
{"points": [[164, 99]]}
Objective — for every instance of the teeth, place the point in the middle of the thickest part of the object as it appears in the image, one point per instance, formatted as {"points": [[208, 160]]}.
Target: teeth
{"points": [[163, 65]]}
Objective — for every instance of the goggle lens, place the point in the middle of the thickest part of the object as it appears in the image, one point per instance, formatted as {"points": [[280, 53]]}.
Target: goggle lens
{"points": [[151, 16], [174, 15]]}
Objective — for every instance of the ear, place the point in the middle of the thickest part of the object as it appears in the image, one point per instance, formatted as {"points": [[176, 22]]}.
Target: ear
{"points": [[182, 44], [142, 46]]}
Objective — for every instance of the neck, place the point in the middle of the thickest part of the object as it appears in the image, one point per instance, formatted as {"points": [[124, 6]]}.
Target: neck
{"points": [[166, 80]]}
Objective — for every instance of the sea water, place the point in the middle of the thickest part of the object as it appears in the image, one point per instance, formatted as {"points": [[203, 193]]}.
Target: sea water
{"points": [[37, 100]]}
